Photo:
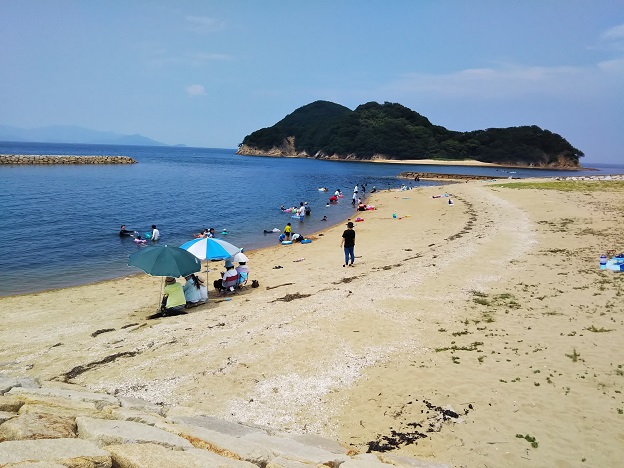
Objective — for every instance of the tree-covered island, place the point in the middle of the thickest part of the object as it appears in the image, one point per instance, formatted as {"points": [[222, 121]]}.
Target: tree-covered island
{"points": [[374, 131]]}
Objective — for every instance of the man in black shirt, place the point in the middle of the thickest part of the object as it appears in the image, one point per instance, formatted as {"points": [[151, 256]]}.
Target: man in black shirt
{"points": [[348, 242], [125, 232]]}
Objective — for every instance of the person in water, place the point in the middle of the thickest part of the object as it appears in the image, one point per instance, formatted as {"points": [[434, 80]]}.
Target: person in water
{"points": [[211, 233], [124, 232], [155, 233], [324, 218]]}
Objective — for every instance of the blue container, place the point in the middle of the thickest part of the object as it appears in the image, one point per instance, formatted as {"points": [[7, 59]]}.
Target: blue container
{"points": [[621, 266], [603, 262]]}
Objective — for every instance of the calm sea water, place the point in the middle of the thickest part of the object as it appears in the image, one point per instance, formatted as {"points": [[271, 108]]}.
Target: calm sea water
{"points": [[59, 224]]}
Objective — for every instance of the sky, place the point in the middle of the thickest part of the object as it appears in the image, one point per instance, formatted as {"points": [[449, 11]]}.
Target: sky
{"points": [[207, 73]]}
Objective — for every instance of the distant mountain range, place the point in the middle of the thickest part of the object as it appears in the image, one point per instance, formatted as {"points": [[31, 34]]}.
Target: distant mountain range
{"points": [[73, 134]]}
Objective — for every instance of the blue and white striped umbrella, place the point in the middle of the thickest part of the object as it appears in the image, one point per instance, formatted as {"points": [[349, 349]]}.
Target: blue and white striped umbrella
{"points": [[209, 248]]}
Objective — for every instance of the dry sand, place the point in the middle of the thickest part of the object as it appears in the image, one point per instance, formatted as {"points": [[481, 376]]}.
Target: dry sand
{"points": [[439, 162], [494, 306]]}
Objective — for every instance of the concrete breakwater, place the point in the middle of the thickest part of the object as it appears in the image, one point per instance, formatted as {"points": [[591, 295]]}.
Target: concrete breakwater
{"points": [[55, 424], [25, 159], [436, 176]]}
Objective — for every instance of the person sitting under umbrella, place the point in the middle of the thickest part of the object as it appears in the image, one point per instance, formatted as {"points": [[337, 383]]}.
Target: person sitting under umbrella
{"points": [[229, 279], [192, 291], [173, 298], [243, 273]]}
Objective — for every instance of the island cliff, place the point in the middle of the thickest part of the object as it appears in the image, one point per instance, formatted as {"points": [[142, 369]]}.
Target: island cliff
{"points": [[390, 131]]}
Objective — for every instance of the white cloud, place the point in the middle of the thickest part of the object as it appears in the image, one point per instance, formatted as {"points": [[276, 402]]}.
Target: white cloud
{"points": [[613, 66], [204, 24], [616, 32], [613, 38], [195, 90], [511, 81], [200, 57]]}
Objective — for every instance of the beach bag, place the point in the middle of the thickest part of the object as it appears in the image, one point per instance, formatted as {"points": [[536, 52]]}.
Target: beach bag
{"points": [[255, 284], [203, 292]]}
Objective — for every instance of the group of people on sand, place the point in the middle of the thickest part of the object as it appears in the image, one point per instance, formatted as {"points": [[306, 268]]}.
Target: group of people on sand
{"points": [[178, 297], [232, 278], [288, 235]]}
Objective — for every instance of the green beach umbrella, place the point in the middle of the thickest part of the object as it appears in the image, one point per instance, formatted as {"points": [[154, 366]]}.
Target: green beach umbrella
{"points": [[162, 260]]}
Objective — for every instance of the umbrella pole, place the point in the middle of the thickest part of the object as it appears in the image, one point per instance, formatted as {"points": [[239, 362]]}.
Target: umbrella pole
{"points": [[160, 294]]}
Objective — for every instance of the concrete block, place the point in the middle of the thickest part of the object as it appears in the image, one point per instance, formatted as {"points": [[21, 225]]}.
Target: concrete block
{"points": [[100, 399], [37, 426], [222, 444], [150, 455], [67, 452], [7, 383], [107, 432], [290, 448], [216, 424]]}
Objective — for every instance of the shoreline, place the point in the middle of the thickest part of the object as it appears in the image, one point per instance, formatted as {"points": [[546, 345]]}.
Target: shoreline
{"points": [[475, 306], [137, 271], [424, 162]]}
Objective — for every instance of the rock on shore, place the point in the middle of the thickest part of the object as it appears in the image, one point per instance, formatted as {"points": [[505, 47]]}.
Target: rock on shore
{"points": [[25, 159], [53, 424]]}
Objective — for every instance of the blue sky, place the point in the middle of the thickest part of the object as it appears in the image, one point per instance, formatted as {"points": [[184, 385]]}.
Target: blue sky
{"points": [[207, 73]]}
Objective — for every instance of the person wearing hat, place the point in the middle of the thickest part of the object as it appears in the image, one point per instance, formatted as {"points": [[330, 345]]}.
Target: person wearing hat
{"points": [[173, 297], [229, 280], [348, 243]]}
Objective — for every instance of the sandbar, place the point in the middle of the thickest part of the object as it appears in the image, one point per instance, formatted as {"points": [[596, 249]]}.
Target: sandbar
{"points": [[492, 308]]}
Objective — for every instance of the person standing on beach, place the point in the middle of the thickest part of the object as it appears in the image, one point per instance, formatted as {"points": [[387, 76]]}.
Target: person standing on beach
{"points": [[287, 231], [155, 233], [348, 243]]}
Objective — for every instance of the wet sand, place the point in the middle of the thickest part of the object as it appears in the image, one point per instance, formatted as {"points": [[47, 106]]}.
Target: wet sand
{"points": [[460, 328]]}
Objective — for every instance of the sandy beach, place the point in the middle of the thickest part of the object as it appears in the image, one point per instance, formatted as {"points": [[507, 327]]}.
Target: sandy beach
{"points": [[492, 308], [438, 162]]}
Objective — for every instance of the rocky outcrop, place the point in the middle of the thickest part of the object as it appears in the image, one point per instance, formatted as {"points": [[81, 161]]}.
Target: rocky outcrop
{"points": [[59, 159], [286, 149], [53, 425]]}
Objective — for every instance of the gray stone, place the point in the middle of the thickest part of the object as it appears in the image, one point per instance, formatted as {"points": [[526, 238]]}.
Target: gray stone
{"points": [[281, 462], [182, 411], [61, 408], [290, 448], [124, 414], [6, 415], [7, 383], [67, 452], [100, 399], [10, 403], [320, 442], [367, 460], [216, 424], [150, 455], [222, 444], [38, 464], [37, 426], [105, 432], [408, 462], [34, 465], [139, 404]]}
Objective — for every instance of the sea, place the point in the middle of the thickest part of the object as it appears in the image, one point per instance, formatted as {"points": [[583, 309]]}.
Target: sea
{"points": [[59, 224]]}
